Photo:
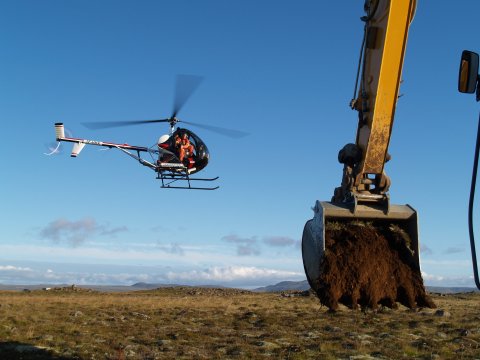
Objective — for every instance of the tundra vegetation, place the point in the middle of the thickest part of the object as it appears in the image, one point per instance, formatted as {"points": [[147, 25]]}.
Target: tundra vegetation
{"points": [[208, 323]]}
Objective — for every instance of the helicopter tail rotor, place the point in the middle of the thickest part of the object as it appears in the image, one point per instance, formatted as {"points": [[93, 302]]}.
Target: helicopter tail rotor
{"points": [[52, 149], [56, 148]]}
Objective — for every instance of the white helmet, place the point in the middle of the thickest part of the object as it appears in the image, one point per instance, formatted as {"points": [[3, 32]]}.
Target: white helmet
{"points": [[163, 138]]}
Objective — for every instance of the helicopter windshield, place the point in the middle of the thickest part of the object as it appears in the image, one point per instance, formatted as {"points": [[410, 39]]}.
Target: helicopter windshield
{"points": [[188, 149]]}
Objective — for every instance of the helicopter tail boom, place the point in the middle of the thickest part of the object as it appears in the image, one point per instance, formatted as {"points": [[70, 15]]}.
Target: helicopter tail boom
{"points": [[79, 144]]}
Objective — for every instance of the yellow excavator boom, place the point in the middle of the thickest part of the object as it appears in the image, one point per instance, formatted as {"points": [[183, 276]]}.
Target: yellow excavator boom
{"points": [[387, 34]]}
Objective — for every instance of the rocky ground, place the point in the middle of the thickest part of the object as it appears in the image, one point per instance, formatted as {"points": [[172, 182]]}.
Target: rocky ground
{"points": [[207, 323]]}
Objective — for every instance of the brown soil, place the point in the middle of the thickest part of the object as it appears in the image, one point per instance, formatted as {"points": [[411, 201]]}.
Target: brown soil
{"points": [[369, 265]]}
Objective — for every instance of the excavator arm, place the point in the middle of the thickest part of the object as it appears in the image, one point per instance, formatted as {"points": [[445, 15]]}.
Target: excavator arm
{"points": [[359, 249], [383, 51]]}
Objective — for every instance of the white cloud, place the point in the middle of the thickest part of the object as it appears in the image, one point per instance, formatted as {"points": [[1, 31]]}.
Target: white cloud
{"points": [[11, 273], [247, 250], [425, 250], [118, 255], [454, 250], [448, 263], [245, 246], [448, 281], [13, 268], [234, 276], [173, 248], [77, 232], [279, 241]]}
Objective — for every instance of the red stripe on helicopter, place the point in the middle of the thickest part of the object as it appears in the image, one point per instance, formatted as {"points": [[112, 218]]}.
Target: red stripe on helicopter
{"points": [[103, 143]]}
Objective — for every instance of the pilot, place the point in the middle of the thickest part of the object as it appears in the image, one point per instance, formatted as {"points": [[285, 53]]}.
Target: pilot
{"points": [[177, 141], [185, 147]]}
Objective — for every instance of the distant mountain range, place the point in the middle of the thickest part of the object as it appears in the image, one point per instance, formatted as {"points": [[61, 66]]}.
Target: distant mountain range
{"points": [[450, 290], [285, 286], [281, 286], [303, 285]]}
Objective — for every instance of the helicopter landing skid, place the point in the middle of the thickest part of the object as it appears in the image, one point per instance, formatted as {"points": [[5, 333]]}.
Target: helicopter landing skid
{"points": [[170, 178]]}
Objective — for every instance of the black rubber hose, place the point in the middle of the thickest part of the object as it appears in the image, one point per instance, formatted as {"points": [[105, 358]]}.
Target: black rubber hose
{"points": [[470, 208]]}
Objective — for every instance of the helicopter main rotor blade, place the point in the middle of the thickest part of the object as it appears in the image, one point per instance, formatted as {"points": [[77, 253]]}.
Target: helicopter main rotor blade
{"points": [[235, 134], [185, 86], [111, 124]]}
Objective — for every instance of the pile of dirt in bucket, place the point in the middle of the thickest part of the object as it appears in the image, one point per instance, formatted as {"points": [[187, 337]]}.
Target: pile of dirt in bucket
{"points": [[367, 265]]}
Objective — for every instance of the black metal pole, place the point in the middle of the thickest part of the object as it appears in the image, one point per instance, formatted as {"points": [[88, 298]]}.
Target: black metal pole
{"points": [[470, 208]]}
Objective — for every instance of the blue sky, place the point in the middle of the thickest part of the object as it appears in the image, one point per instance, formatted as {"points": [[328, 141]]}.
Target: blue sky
{"points": [[283, 71]]}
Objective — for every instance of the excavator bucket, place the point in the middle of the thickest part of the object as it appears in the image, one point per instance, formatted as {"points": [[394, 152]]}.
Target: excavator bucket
{"points": [[328, 215]]}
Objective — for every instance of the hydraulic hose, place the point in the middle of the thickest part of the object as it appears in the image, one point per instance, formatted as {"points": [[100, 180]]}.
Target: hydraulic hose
{"points": [[470, 208]]}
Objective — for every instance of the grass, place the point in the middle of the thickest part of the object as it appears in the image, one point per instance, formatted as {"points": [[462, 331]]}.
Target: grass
{"points": [[187, 323]]}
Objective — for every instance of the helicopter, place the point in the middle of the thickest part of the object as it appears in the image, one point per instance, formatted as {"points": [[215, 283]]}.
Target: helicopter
{"points": [[176, 156]]}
